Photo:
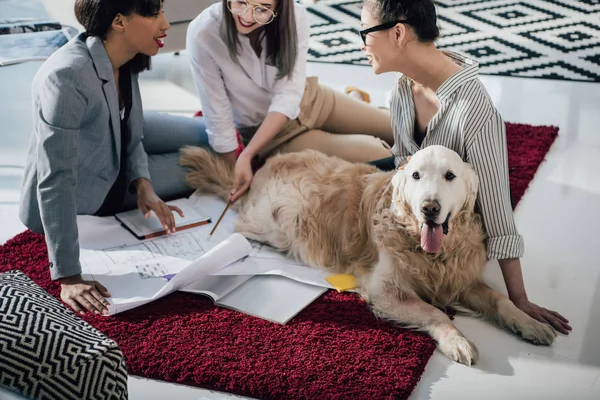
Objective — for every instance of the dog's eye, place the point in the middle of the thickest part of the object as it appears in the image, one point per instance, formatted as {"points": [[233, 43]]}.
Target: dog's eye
{"points": [[416, 175], [449, 176]]}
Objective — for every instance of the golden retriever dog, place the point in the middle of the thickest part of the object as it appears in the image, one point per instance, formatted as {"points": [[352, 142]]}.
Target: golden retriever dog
{"points": [[410, 236]]}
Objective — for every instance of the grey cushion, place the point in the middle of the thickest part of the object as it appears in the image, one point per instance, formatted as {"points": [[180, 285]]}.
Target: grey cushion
{"points": [[47, 352]]}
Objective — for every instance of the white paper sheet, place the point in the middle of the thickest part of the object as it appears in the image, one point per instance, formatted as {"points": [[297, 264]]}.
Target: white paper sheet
{"points": [[264, 260], [216, 287], [136, 274], [273, 298], [234, 248], [173, 252]]}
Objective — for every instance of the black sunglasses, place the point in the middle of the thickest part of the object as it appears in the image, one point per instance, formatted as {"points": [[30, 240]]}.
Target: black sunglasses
{"points": [[382, 27]]}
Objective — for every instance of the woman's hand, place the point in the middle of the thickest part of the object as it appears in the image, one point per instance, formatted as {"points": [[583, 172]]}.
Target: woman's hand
{"points": [[242, 176], [549, 317], [270, 127], [513, 277], [147, 200], [83, 295]]}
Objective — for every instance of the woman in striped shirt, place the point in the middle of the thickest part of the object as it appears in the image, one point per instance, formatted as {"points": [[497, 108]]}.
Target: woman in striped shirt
{"points": [[439, 100]]}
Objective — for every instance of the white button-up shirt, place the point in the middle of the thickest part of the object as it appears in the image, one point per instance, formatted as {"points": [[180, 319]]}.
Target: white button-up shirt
{"points": [[468, 123], [238, 95]]}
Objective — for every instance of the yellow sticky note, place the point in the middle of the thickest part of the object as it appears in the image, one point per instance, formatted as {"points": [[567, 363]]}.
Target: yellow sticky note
{"points": [[342, 282]]}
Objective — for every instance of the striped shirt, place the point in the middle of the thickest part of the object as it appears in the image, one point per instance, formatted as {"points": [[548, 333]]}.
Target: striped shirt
{"points": [[468, 123]]}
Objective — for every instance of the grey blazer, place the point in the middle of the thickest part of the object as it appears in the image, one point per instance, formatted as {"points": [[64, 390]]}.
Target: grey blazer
{"points": [[74, 153]]}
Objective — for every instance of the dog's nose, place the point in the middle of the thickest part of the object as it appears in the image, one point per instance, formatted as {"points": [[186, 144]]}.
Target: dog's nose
{"points": [[431, 209]]}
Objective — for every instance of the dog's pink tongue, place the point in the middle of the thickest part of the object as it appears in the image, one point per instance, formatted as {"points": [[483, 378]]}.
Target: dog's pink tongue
{"points": [[431, 238]]}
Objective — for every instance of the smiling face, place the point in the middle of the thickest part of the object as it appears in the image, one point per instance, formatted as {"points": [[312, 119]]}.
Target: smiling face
{"points": [[435, 184], [250, 15], [379, 46], [145, 35]]}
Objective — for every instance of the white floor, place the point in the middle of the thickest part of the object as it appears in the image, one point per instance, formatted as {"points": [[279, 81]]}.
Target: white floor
{"points": [[558, 217]]}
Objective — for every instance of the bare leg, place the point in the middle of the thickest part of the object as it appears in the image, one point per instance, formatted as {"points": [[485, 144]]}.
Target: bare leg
{"points": [[354, 117], [415, 313], [499, 309], [353, 148]]}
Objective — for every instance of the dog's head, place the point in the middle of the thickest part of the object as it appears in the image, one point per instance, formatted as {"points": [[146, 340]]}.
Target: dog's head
{"points": [[434, 186]]}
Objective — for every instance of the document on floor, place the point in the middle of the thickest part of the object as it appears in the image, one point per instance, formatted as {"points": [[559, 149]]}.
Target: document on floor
{"points": [[248, 277], [138, 275], [105, 245], [274, 298], [264, 259]]}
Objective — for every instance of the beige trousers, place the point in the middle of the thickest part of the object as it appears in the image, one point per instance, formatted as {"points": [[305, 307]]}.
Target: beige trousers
{"points": [[335, 124]]}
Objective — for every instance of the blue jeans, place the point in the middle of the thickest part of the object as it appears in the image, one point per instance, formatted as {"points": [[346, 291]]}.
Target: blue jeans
{"points": [[164, 135]]}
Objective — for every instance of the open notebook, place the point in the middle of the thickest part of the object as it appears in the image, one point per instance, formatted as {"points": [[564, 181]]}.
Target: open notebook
{"points": [[147, 228], [271, 297]]}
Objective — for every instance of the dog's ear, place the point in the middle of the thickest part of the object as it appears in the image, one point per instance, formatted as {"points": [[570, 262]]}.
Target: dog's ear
{"points": [[472, 186], [398, 182]]}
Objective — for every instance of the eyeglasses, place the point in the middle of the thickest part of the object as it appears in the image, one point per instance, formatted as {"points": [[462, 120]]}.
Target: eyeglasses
{"points": [[262, 15], [382, 27]]}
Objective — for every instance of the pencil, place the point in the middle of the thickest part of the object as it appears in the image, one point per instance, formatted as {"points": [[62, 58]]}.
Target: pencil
{"points": [[220, 218], [179, 228]]}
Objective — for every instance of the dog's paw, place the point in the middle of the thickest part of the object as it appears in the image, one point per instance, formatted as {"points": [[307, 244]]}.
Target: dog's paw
{"points": [[536, 332], [459, 348]]}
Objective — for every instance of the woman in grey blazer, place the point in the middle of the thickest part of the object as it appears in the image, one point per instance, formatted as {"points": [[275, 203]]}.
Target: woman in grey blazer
{"points": [[93, 150]]}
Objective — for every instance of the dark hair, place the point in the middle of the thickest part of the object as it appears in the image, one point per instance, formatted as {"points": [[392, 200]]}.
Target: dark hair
{"points": [[420, 14], [281, 33], [97, 16]]}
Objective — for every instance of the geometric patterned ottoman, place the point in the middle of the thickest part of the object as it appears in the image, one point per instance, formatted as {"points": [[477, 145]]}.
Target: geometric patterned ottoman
{"points": [[47, 352]]}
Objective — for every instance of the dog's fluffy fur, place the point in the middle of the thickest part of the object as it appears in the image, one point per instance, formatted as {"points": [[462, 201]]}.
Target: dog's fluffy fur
{"points": [[353, 218]]}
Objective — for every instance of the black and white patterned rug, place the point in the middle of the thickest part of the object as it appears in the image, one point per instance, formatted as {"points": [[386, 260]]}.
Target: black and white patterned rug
{"points": [[555, 39]]}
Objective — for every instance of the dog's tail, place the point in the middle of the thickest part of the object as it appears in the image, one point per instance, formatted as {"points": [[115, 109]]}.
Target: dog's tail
{"points": [[207, 172]]}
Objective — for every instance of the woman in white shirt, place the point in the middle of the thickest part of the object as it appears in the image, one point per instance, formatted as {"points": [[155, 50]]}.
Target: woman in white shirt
{"points": [[249, 65], [438, 99]]}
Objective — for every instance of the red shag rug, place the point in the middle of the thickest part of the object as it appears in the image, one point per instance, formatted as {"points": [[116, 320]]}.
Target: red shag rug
{"points": [[527, 148], [334, 349]]}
